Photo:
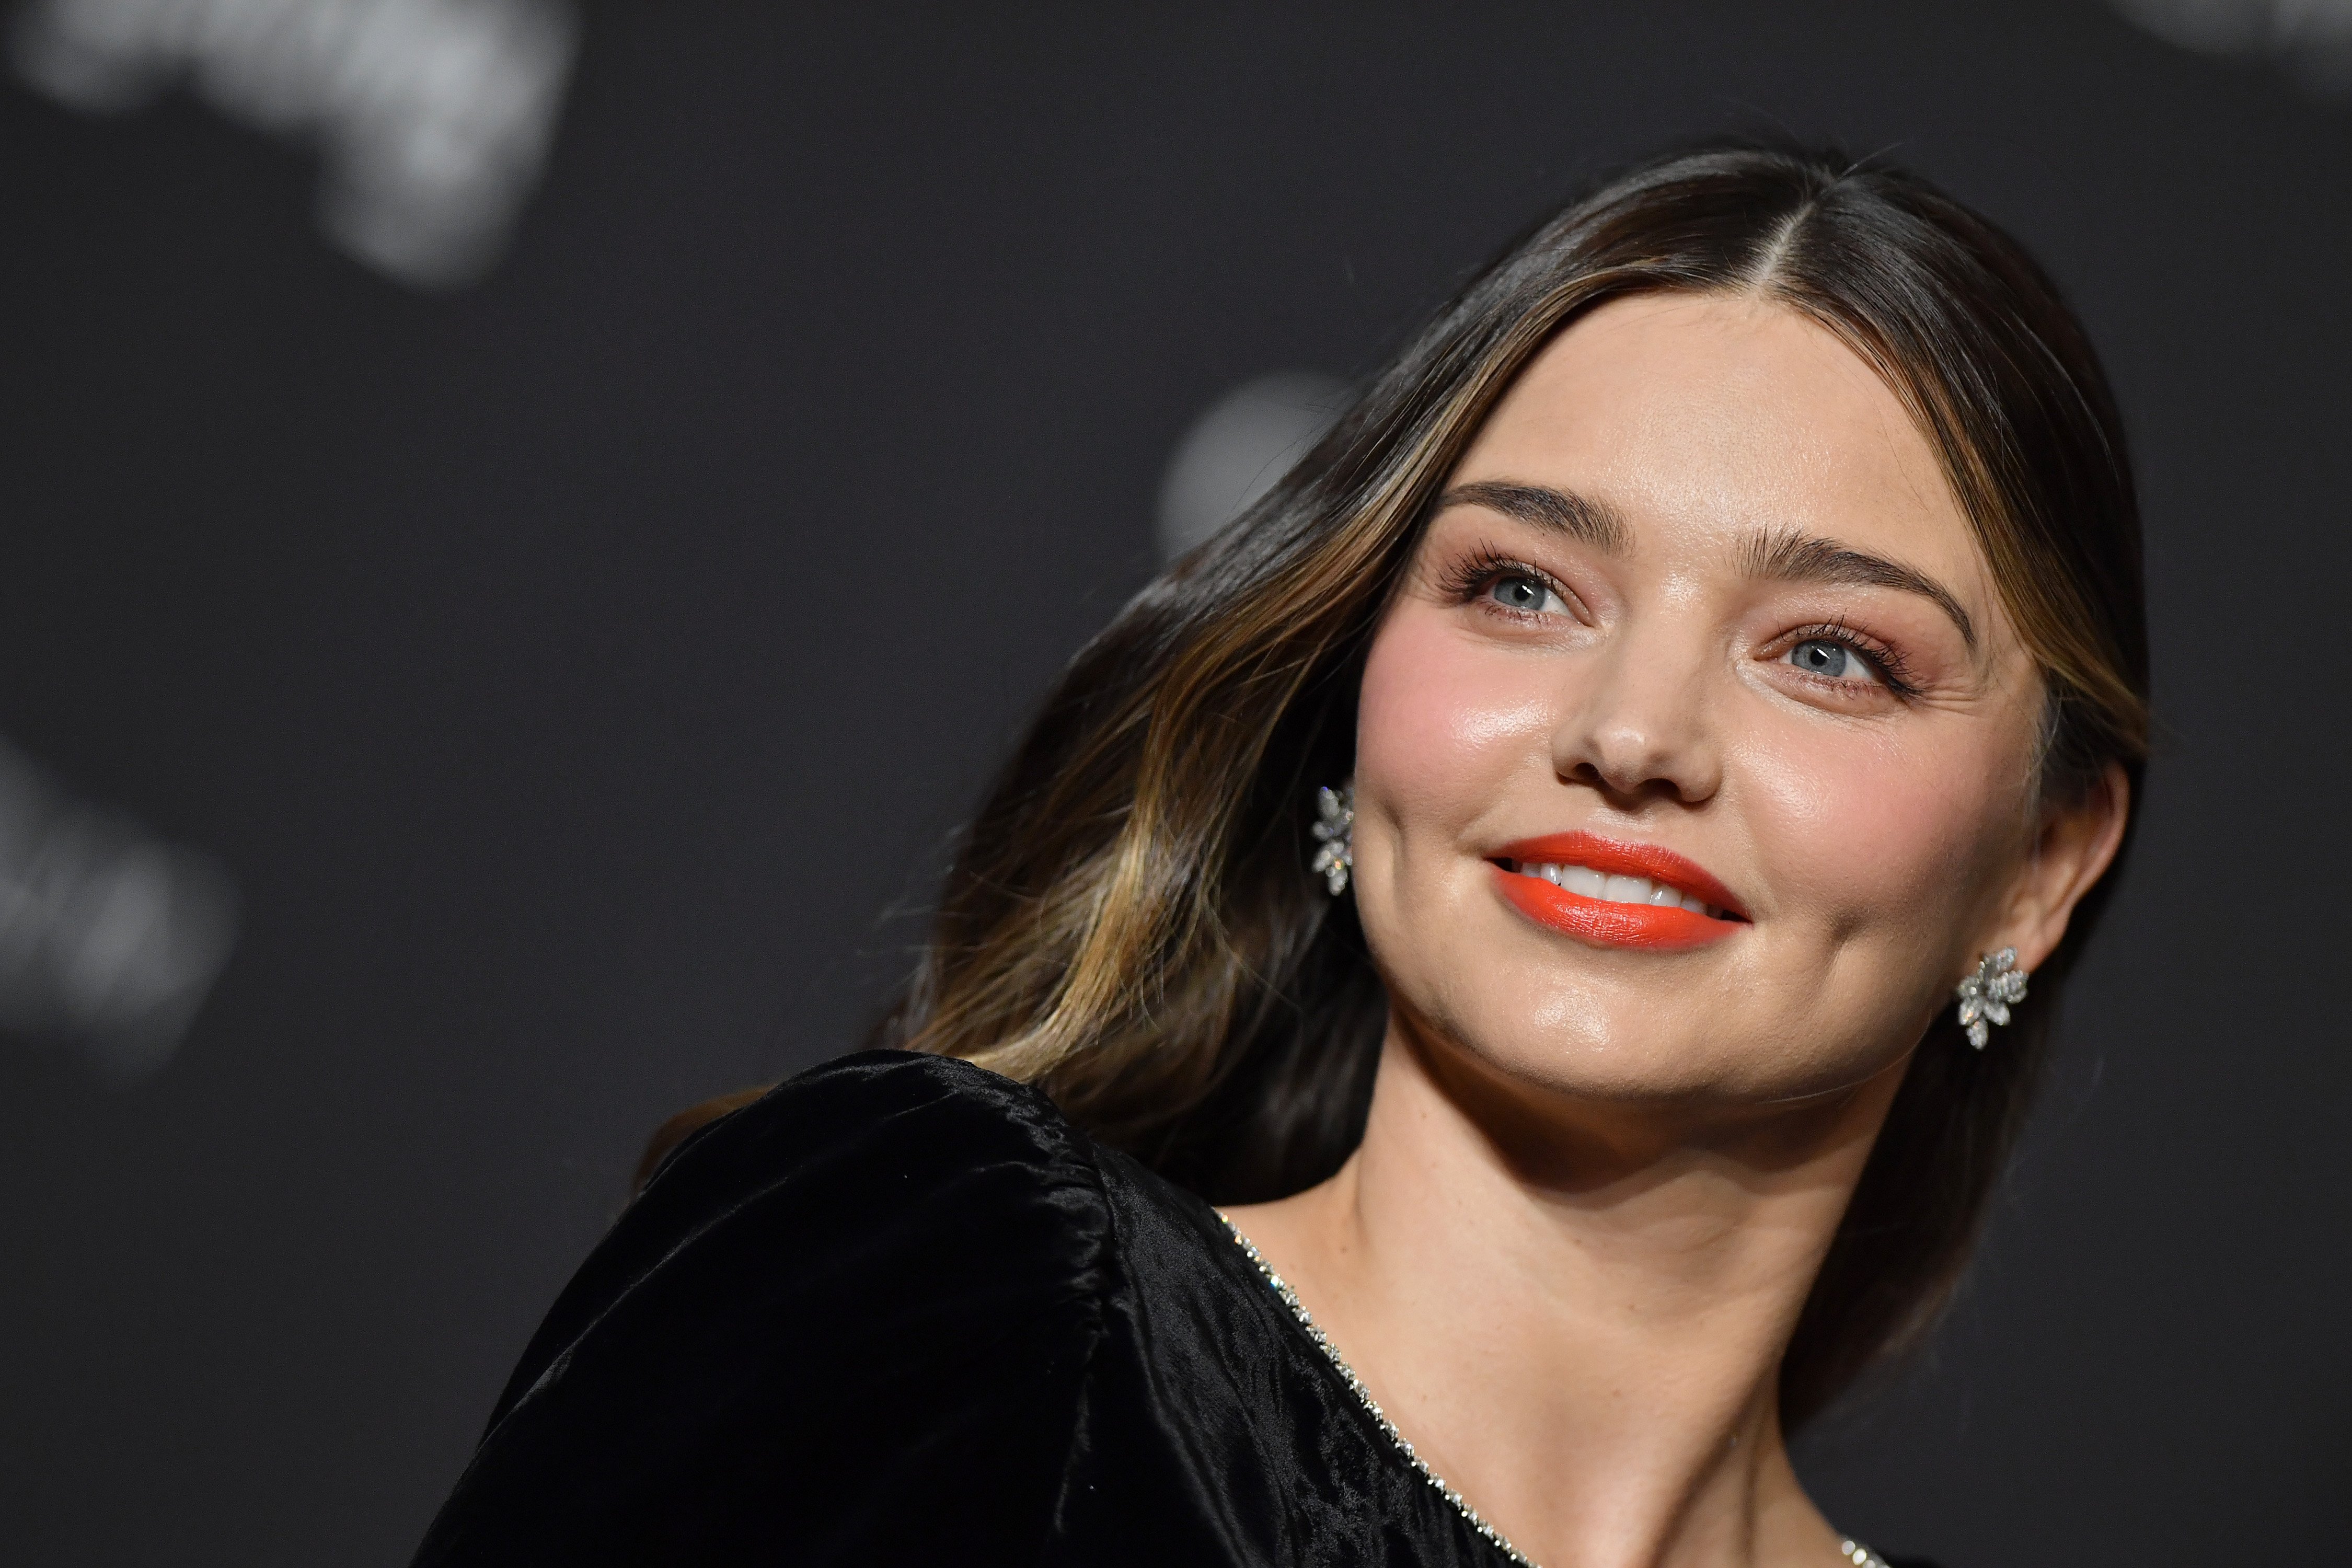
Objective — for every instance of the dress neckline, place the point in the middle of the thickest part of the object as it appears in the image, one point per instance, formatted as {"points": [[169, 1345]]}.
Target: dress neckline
{"points": [[1852, 1551]]}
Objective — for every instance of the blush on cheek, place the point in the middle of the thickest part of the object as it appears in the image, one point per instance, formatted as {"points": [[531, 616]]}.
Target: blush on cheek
{"points": [[1871, 834], [1441, 719]]}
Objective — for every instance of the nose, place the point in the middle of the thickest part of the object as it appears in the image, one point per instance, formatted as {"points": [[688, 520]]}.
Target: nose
{"points": [[1636, 725]]}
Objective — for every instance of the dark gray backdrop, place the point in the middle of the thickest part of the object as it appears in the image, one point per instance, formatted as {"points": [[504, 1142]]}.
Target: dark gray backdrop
{"points": [[575, 671]]}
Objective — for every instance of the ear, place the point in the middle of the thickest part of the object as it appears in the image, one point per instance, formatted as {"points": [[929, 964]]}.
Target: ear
{"points": [[2075, 844]]}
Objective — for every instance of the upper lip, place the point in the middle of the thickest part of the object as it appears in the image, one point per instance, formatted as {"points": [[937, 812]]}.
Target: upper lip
{"points": [[1619, 857]]}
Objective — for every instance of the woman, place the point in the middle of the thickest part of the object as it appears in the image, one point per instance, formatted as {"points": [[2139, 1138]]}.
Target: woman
{"points": [[1560, 873]]}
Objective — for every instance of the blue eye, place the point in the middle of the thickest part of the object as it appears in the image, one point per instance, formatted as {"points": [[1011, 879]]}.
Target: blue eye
{"points": [[1833, 660], [1528, 596]]}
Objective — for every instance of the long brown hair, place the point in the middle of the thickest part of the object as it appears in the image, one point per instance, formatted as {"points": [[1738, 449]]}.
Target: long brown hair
{"points": [[1130, 924]]}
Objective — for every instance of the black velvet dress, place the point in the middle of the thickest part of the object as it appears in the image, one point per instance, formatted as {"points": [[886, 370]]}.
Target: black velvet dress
{"points": [[900, 1311]]}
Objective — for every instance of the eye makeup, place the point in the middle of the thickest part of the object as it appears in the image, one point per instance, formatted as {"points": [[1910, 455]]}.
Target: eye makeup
{"points": [[1895, 670], [1472, 579], [1473, 574]]}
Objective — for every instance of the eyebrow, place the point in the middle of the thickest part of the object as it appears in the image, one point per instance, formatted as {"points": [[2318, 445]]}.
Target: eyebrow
{"points": [[1782, 555], [1578, 516]]}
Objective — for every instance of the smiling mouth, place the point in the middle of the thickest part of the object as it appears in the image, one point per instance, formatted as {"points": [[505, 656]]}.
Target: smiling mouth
{"points": [[1613, 894]]}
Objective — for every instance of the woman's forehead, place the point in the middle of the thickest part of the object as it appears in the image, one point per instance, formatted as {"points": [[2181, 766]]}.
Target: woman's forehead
{"points": [[1701, 420]]}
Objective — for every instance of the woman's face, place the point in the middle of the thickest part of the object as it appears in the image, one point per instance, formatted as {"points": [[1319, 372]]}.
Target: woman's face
{"points": [[1696, 757]]}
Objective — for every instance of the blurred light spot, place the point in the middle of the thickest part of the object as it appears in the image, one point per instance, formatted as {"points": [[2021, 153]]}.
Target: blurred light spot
{"points": [[108, 939], [2313, 38], [433, 116], [1236, 452]]}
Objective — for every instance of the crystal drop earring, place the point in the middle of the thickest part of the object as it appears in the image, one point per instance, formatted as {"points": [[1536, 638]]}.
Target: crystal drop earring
{"points": [[1335, 829], [1986, 995]]}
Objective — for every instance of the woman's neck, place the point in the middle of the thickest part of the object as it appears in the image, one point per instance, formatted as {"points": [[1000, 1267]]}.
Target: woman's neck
{"points": [[1576, 1314]]}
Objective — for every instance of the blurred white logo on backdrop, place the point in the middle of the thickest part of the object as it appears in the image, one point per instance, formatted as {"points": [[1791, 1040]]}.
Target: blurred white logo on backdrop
{"points": [[2312, 38], [1237, 449], [109, 937], [432, 117]]}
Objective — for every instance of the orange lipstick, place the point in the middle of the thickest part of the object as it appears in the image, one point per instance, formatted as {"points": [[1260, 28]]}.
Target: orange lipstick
{"points": [[1663, 922]]}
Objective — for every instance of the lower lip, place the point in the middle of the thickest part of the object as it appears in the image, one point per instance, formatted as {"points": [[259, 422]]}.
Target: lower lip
{"points": [[1660, 927]]}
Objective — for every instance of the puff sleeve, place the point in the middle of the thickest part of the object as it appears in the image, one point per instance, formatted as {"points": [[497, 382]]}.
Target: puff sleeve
{"points": [[848, 1323]]}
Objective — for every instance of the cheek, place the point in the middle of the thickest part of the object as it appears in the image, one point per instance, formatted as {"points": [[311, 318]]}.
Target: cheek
{"points": [[1874, 835], [1441, 719]]}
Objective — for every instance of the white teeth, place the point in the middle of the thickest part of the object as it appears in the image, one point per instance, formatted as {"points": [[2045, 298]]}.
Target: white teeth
{"points": [[1627, 890], [1591, 884]]}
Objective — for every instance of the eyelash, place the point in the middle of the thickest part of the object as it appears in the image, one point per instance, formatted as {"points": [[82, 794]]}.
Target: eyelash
{"points": [[1485, 566], [1890, 662]]}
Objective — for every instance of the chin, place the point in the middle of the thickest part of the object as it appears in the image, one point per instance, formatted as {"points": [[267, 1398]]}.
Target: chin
{"points": [[1607, 1054]]}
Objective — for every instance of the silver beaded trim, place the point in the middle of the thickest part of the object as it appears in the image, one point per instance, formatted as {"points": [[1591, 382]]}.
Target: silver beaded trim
{"points": [[1854, 1552], [1372, 1407]]}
